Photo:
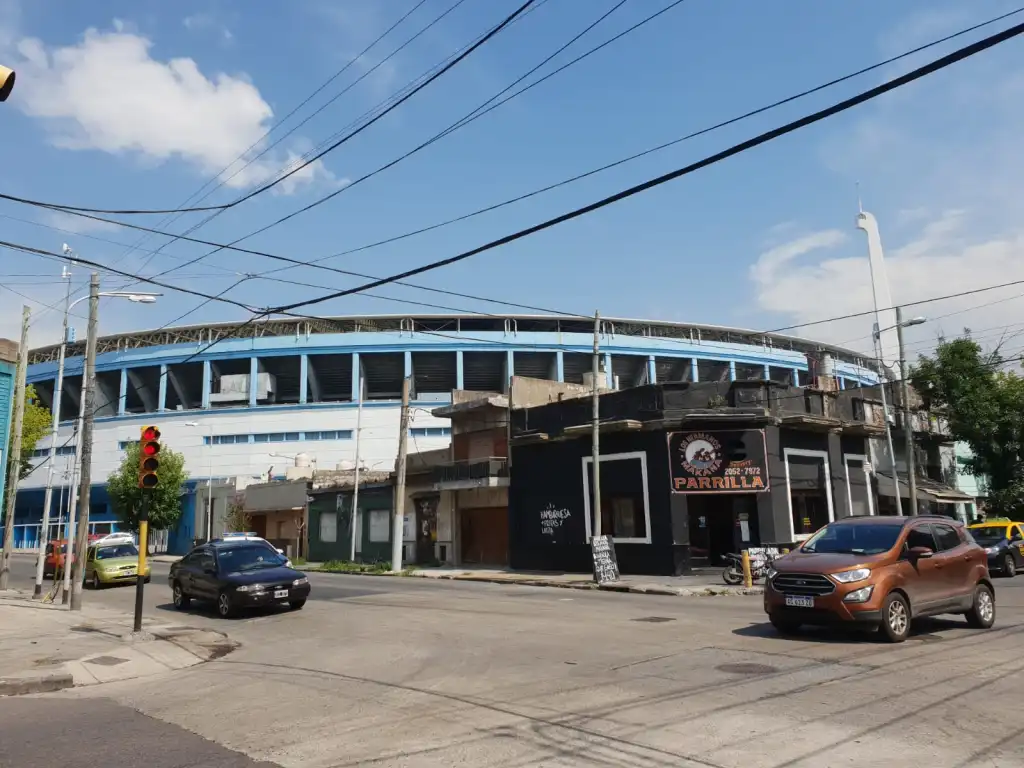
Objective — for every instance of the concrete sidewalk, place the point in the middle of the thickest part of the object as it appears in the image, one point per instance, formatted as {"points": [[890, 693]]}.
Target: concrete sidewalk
{"points": [[47, 648], [701, 584]]}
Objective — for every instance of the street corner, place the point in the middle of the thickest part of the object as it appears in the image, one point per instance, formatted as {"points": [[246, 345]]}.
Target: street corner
{"points": [[154, 650]]}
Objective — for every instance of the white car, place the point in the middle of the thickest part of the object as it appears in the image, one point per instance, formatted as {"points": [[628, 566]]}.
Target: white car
{"points": [[249, 536]]}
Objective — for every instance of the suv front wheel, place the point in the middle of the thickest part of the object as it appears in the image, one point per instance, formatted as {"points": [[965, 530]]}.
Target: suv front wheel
{"points": [[983, 610], [895, 618]]}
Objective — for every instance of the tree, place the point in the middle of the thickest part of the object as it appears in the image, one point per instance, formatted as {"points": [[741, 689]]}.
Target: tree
{"points": [[165, 499], [36, 424], [237, 519], [984, 404]]}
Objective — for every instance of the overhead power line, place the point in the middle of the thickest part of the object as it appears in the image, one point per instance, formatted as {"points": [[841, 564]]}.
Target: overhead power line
{"points": [[315, 263], [352, 134], [665, 145], [842, 106]]}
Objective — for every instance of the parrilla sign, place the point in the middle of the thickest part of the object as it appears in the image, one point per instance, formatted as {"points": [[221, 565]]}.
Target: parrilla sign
{"points": [[718, 461]]}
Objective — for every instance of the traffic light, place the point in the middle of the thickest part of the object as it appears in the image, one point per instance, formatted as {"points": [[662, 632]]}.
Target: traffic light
{"points": [[149, 457], [6, 82]]}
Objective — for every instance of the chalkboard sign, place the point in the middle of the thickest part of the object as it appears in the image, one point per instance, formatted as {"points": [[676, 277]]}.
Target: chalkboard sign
{"points": [[606, 567], [553, 523]]}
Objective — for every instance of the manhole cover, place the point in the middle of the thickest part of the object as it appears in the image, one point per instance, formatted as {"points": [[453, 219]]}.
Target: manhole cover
{"points": [[106, 661], [654, 619], [743, 668]]}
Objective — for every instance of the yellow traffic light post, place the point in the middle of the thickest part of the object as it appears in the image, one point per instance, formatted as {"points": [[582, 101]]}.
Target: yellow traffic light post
{"points": [[149, 465], [6, 82]]}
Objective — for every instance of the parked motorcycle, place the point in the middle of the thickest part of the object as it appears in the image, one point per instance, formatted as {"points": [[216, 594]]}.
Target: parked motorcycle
{"points": [[732, 574]]}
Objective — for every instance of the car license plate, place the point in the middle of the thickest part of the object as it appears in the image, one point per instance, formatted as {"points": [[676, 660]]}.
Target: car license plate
{"points": [[800, 601], [130, 572], [278, 593]]}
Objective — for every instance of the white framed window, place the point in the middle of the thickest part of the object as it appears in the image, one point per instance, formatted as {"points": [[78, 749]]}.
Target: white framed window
{"points": [[625, 517], [814, 505], [853, 463], [328, 526]]}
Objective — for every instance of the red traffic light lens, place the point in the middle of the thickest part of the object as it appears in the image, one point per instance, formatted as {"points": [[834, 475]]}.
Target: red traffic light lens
{"points": [[150, 433], [150, 449]]}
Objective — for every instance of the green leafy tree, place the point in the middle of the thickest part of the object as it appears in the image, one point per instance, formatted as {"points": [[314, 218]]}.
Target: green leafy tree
{"points": [[165, 499], [237, 519], [984, 403], [36, 425]]}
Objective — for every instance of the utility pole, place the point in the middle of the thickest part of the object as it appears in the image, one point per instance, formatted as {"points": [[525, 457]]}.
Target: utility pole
{"points": [[71, 525], [88, 390], [14, 452], [888, 428], [355, 486], [908, 429], [403, 452], [595, 426], [37, 591]]}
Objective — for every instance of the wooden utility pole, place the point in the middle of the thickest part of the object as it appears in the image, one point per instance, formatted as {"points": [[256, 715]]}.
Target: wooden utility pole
{"points": [[88, 391], [14, 451], [403, 453], [595, 427]]}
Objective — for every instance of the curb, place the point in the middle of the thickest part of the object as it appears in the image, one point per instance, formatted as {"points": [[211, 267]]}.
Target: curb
{"points": [[634, 589], [20, 686]]}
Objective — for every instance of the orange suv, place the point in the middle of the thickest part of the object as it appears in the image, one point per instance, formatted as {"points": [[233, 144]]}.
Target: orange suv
{"points": [[881, 572]]}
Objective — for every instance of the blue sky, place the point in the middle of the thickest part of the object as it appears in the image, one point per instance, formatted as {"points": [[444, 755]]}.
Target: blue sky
{"points": [[138, 103]]}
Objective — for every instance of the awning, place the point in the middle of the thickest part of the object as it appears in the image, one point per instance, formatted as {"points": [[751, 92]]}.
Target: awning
{"points": [[927, 488]]}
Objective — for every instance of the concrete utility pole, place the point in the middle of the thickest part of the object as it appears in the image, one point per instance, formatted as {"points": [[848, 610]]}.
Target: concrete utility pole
{"points": [[14, 453], [908, 429], [595, 424], [355, 485], [403, 452], [888, 428], [37, 591], [70, 527], [88, 390]]}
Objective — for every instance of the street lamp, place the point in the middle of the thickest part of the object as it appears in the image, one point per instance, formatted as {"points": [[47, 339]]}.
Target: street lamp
{"points": [[908, 432], [143, 298]]}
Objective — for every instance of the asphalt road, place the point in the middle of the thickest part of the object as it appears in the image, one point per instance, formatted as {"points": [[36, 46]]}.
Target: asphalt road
{"points": [[54, 732], [416, 672]]}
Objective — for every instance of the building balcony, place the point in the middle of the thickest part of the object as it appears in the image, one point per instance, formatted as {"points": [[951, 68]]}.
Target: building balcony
{"points": [[473, 473]]}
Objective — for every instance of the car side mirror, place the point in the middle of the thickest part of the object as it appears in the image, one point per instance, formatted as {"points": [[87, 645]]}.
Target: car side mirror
{"points": [[919, 553]]}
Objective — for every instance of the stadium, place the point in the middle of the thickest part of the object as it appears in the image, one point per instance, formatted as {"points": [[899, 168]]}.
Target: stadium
{"points": [[243, 405]]}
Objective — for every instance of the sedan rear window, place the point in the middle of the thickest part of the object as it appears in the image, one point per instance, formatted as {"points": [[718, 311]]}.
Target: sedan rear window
{"points": [[860, 539]]}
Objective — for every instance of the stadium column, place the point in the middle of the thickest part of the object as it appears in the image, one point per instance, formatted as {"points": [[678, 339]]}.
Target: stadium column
{"points": [[732, 370], [652, 370], [559, 365], [694, 370], [510, 368], [609, 378], [207, 383], [459, 374], [356, 378], [122, 397], [767, 372], [254, 372], [407, 366], [161, 403], [796, 377], [303, 379]]}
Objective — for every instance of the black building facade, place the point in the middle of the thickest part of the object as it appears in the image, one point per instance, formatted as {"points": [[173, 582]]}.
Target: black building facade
{"points": [[689, 472]]}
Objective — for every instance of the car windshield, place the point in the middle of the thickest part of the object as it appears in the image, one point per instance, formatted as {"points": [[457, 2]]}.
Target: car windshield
{"points": [[249, 558], [989, 533], [860, 539], [117, 550]]}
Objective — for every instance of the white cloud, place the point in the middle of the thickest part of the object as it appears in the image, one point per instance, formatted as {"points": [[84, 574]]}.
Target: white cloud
{"points": [[109, 93], [207, 22]]}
